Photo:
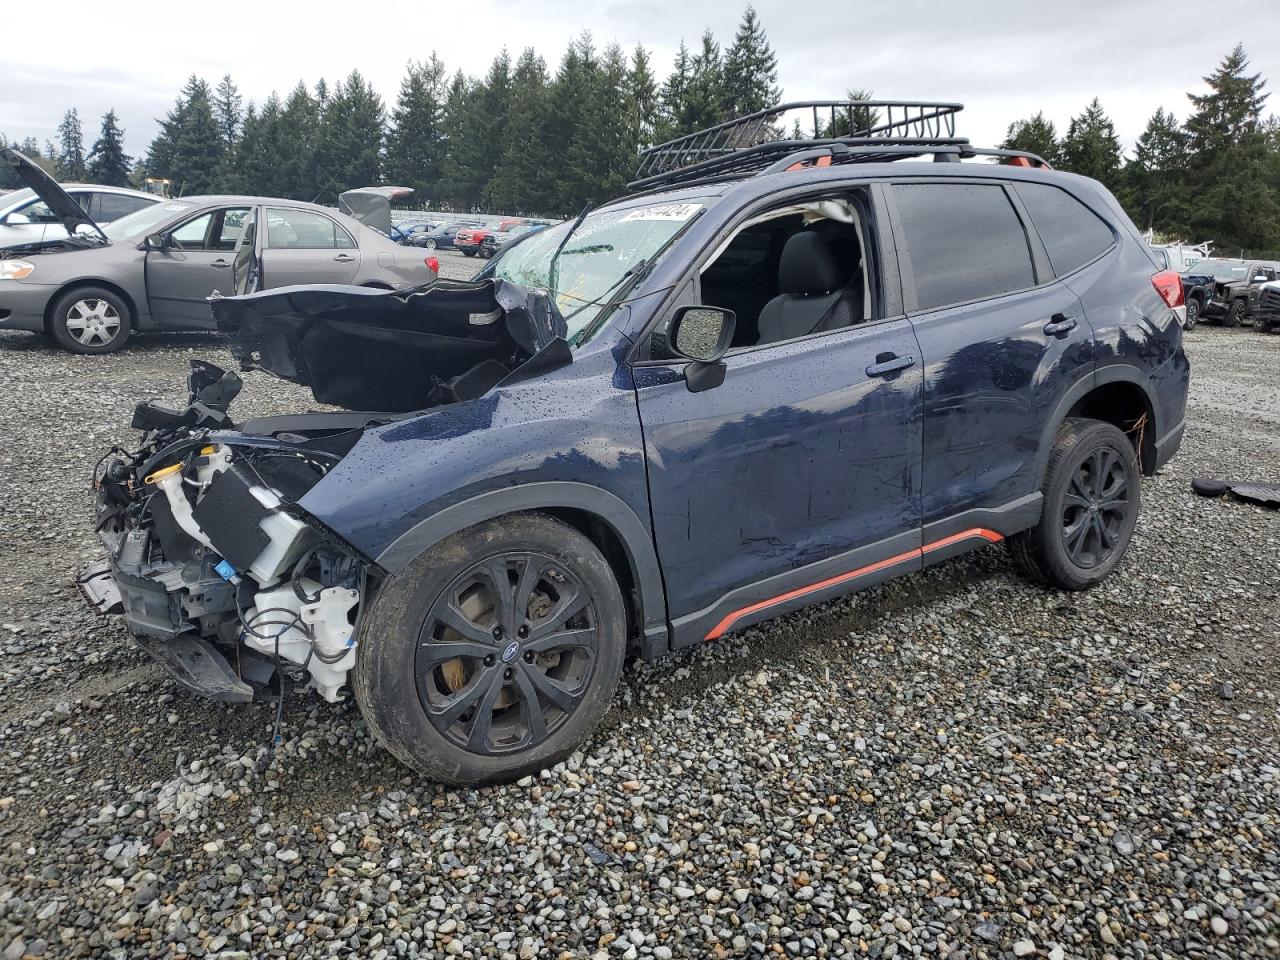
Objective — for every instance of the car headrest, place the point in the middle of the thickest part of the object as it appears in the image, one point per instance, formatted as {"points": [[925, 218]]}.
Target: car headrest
{"points": [[808, 266]]}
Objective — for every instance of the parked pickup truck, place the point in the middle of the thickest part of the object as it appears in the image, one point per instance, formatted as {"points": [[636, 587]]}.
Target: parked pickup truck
{"points": [[1236, 289], [1267, 317]]}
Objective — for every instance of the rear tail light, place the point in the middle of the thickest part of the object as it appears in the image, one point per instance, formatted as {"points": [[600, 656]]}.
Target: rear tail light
{"points": [[1168, 284], [433, 263]]}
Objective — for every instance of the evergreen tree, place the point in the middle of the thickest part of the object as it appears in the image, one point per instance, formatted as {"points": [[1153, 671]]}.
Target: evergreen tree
{"points": [[415, 142], [1229, 160], [227, 101], [457, 102], [348, 151], [1154, 179], [750, 69], [1035, 135], [477, 128], [190, 146], [521, 184], [642, 99], [1091, 147], [107, 163], [672, 95], [294, 140], [705, 96], [70, 153]]}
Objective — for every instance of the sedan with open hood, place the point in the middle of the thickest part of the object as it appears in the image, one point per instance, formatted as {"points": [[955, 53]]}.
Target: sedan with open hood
{"points": [[92, 286]]}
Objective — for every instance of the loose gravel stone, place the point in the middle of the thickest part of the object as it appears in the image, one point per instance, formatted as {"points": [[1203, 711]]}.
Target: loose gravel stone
{"points": [[954, 765]]}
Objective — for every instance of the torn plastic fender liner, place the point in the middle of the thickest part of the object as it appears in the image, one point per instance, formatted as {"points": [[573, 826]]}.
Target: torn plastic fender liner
{"points": [[385, 350]]}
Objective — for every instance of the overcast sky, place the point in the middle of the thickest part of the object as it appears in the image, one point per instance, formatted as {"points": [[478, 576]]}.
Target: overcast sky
{"points": [[1002, 60]]}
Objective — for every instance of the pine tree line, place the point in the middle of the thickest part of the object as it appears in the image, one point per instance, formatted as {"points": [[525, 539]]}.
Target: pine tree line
{"points": [[1215, 176], [529, 139]]}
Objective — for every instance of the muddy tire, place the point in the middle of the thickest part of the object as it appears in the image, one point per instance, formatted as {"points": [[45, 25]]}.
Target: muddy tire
{"points": [[90, 320], [1234, 314], [1092, 494], [494, 654]]}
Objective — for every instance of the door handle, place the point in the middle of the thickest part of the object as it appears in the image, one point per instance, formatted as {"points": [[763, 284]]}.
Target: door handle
{"points": [[887, 363], [1059, 324], [344, 258], [220, 264]]}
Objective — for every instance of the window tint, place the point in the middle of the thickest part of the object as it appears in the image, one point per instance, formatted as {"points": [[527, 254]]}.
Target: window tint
{"points": [[304, 230], [112, 206], [965, 240], [1072, 233]]}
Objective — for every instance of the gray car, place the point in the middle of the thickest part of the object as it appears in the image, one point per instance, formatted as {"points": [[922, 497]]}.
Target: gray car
{"points": [[25, 218], [156, 269]]}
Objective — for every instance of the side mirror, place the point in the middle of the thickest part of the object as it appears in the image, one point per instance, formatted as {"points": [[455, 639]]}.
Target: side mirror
{"points": [[156, 241], [702, 335], [17, 219]]}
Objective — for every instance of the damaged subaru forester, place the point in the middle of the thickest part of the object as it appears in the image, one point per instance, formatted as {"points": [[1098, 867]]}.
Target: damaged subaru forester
{"points": [[779, 371]]}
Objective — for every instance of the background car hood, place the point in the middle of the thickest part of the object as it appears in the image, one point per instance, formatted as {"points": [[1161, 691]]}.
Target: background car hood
{"points": [[394, 351], [70, 213]]}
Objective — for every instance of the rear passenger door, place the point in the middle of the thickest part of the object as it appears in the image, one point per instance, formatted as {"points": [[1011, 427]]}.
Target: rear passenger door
{"points": [[1001, 339], [304, 246]]}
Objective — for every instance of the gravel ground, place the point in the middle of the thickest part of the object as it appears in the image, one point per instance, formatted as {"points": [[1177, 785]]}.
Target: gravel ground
{"points": [[954, 764]]}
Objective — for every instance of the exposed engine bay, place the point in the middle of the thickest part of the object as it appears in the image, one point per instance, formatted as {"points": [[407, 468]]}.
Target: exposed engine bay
{"points": [[217, 572]]}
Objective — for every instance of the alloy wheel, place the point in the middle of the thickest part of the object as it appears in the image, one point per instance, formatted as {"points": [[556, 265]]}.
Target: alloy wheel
{"points": [[1095, 508], [93, 322], [506, 653]]}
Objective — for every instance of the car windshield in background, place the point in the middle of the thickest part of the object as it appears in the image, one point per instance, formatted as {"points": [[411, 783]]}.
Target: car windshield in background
{"points": [[137, 225], [1223, 269], [596, 259]]}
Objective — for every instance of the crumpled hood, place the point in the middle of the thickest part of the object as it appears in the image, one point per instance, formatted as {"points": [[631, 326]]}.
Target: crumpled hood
{"points": [[69, 213], [394, 351]]}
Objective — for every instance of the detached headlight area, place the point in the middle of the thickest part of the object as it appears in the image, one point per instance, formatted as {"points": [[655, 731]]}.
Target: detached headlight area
{"points": [[16, 269]]}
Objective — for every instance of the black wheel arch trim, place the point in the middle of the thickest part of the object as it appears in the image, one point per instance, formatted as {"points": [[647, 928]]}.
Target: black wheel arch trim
{"points": [[1116, 373], [632, 533]]}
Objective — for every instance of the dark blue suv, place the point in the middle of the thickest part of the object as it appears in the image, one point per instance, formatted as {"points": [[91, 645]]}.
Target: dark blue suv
{"points": [[779, 372]]}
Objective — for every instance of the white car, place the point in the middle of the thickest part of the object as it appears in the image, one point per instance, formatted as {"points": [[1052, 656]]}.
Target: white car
{"points": [[25, 218]]}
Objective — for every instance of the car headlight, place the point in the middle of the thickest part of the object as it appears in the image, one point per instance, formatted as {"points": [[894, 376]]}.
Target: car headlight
{"points": [[15, 269]]}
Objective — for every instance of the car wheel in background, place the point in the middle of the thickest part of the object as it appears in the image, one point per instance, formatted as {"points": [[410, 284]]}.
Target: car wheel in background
{"points": [[1092, 492], [468, 253], [1232, 316], [90, 320], [428, 244], [494, 654], [1193, 315]]}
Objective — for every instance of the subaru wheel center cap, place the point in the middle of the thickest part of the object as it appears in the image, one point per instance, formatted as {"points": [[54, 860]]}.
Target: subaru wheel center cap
{"points": [[510, 651]]}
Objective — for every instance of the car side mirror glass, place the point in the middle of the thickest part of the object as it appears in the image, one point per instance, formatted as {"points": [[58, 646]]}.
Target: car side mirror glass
{"points": [[702, 335], [157, 241]]}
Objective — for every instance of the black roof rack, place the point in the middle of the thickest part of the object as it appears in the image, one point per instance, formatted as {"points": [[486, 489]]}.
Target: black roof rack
{"points": [[844, 131]]}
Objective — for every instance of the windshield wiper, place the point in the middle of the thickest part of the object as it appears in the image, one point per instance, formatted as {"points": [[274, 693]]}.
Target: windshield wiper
{"points": [[551, 273]]}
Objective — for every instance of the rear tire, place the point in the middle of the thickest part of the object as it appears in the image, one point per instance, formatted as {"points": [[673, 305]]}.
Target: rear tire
{"points": [[1092, 494], [445, 685], [1234, 313], [90, 320], [468, 253], [1193, 315]]}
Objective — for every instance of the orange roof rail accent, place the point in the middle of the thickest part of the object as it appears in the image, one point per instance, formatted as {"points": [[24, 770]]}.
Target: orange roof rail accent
{"points": [[806, 164]]}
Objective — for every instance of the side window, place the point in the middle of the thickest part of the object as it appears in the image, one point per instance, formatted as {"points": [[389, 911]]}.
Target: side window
{"points": [[106, 207], [191, 235], [37, 211], [793, 272], [1072, 233], [965, 242], [228, 227], [303, 230]]}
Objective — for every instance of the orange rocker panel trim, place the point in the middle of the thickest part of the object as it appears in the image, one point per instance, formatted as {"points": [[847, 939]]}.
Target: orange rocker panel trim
{"points": [[723, 626]]}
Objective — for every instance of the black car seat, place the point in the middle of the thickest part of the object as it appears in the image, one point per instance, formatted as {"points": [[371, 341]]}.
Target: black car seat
{"points": [[815, 295]]}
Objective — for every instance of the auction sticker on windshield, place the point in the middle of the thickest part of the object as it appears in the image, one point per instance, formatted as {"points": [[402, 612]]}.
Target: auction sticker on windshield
{"points": [[666, 211]]}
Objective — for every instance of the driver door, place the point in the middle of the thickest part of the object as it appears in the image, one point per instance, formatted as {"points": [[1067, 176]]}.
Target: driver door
{"points": [[196, 262]]}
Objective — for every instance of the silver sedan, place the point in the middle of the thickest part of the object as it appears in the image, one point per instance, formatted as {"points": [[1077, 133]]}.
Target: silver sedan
{"points": [[155, 269]]}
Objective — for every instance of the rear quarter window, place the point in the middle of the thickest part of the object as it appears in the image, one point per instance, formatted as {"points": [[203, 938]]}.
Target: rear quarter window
{"points": [[1072, 233], [965, 242]]}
